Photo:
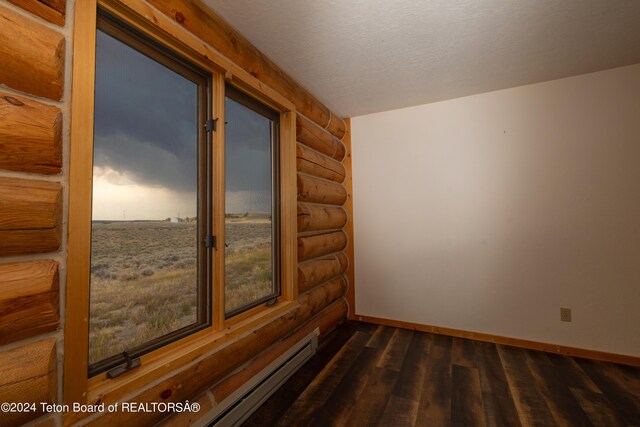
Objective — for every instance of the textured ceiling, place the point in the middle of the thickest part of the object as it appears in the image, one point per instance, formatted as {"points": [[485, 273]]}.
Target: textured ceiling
{"points": [[365, 56]]}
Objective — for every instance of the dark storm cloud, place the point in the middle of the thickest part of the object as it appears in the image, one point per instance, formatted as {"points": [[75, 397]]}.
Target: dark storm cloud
{"points": [[248, 149], [146, 126], [248, 159], [145, 118]]}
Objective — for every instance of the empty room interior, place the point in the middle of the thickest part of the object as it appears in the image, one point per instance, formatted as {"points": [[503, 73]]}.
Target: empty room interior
{"points": [[293, 213]]}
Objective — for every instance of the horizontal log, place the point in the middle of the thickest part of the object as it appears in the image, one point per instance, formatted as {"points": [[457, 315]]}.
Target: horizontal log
{"points": [[317, 164], [28, 375], [341, 280], [24, 242], [31, 56], [197, 18], [313, 273], [317, 190], [321, 244], [320, 217], [30, 135], [343, 260], [319, 139], [50, 10], [59, 5], [198, 377], [326, 321], [29, 299], [337, 126], [29, 204], [30, 216]]}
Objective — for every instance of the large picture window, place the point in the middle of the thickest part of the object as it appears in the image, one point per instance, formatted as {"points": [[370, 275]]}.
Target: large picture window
{"points": [[150, 217]]}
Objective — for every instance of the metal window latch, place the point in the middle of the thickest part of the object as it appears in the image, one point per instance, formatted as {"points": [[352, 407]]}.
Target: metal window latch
{"points": [[129, 364], [272, 301], [210, 242], [211, 125]]}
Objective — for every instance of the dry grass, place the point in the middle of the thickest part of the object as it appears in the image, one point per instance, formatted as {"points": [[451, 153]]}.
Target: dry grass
{"points": [[248, 276], [143, 279], [248, 262]]}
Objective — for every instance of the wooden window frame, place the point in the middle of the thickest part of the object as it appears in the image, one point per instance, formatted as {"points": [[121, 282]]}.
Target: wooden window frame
{"points": [[78, 387]]}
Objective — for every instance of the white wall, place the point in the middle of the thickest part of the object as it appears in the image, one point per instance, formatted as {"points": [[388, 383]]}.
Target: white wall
{"points": [[488, 213]]}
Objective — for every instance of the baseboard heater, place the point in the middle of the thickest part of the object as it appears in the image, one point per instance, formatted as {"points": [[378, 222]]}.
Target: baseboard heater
{"points": [[236, 408]]}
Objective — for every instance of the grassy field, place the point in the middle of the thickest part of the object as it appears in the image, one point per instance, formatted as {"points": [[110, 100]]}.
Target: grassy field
{"points": [[248, 271], [143, 278]]}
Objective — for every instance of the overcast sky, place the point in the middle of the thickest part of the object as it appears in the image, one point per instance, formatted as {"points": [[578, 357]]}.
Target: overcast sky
{"points": [[145, 148]]}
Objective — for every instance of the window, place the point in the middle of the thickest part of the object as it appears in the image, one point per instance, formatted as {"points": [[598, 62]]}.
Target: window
{"points": [[149, 264], [252, 270], [182, 202]]}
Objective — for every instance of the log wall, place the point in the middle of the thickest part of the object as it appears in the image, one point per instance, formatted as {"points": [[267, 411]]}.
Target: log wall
{"points": [[33, 132], [35, 39]]}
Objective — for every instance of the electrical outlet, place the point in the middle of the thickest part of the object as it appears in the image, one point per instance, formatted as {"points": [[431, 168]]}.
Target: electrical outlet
{"points": [[565, 314]]}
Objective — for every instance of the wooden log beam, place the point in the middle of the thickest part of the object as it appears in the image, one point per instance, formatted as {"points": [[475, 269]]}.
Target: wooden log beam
{"points": [[317, 164], [30, 216], [321, 244], [344, 261], [317, 190], [29, 299], [337, 126], [28, 375], [342, 280], [50, 10], [197, 18], [196, 378], [320, 140], [30, 135], [31, 56], [326, 321], [320, 217], [313, 273]]}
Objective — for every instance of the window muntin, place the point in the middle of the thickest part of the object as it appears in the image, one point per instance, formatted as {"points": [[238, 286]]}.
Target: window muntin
{"points": [[252, 260], [150, 271]]}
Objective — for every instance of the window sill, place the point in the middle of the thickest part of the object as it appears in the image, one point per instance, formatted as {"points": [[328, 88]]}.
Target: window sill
{"points": [[178, 355]]}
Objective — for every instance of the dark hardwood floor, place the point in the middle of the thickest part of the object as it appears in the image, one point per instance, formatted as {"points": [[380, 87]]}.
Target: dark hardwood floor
{"points": [[367, 375]]}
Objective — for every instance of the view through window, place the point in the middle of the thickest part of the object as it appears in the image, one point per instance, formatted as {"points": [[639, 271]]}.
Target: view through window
{"points": [[251, 214], [149, 218]]}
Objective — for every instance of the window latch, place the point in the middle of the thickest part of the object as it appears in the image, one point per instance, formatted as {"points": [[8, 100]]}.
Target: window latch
{"points": [[211, 125], [210, 242], [273, 301], [129, 364]]}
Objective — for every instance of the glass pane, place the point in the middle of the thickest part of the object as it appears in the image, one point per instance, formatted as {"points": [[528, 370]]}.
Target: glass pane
{"points": [[144, 269], [248, 206]]}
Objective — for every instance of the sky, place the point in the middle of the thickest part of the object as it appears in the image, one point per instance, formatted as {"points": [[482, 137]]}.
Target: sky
{"points": [[145, 142]]}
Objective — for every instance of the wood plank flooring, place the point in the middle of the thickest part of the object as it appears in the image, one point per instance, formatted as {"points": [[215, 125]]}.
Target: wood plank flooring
{"points": [[368, 375]]}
